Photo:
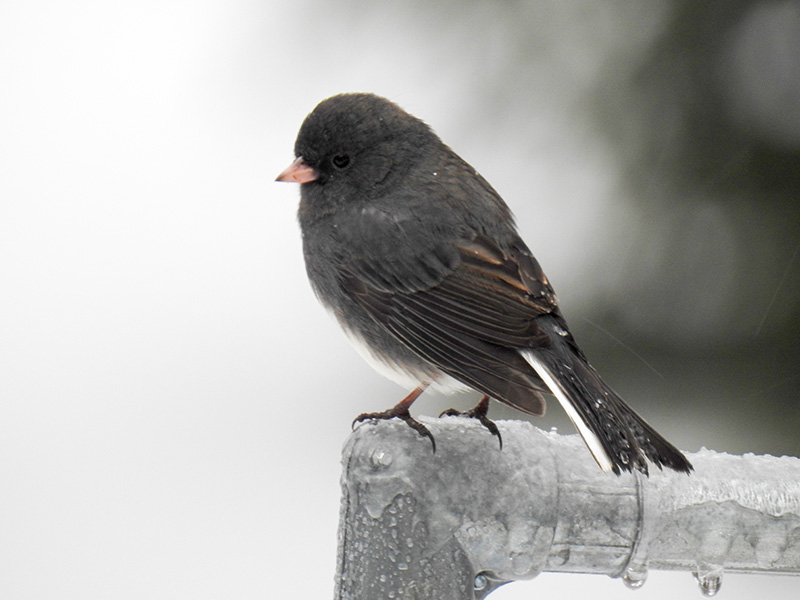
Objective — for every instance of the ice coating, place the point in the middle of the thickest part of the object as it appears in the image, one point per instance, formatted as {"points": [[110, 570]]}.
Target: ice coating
{"points": [[460, 522], [740, 478], [458, 496]]}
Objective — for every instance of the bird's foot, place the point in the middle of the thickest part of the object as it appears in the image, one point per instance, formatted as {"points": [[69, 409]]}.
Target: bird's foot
{"points": [[479, 412], [401, 412]]}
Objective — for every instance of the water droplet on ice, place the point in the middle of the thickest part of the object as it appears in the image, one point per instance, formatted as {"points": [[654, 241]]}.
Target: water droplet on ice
{"points": [[634, 578], [480, 582], [521, 563], [561, 557], [380, 459], [709, 583]]}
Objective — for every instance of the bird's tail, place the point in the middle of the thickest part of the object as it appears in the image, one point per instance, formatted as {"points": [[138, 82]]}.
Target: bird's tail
{"points": [[618, 438]]}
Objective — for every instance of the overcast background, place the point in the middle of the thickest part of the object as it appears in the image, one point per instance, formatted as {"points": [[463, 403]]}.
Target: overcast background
{"points": [[173, 401]]}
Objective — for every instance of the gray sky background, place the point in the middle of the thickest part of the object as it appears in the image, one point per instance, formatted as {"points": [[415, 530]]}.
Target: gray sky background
{"points": [[173, 401]]}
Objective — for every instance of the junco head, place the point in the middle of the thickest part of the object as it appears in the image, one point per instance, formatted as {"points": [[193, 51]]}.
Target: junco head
{"points": [[419, 260]]}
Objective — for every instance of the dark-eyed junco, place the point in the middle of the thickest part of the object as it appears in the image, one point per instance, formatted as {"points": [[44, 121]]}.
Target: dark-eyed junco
{"points": [[419, 260]]}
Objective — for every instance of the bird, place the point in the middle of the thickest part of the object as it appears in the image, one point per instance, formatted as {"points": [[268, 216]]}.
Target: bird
{"points": [[420, 261]]}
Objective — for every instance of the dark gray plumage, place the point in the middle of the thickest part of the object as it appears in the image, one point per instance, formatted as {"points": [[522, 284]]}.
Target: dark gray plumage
{"points": [[419, 260]]}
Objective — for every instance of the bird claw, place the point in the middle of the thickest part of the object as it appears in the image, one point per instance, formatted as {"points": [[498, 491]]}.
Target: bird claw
{"points": [[398, 412], [478, 412]]}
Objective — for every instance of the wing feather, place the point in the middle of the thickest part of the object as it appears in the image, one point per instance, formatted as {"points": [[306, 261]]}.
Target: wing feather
{"points": [[473, 322]]}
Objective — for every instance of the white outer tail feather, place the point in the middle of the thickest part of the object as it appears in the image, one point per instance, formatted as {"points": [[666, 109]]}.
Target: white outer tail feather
{"points": [[592, 441]]}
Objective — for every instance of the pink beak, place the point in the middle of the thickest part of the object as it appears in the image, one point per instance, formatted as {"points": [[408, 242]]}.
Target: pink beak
{"points": [[298, 172]]}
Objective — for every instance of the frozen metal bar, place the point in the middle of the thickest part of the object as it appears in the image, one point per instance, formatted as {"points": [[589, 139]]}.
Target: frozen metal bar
{"points": [[457, 524]]}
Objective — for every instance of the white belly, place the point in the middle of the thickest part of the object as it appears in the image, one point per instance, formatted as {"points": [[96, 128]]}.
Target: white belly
{"points": [[408, 379]]}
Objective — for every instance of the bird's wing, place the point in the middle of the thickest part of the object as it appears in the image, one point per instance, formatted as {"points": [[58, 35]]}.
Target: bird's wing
{"points": [[472, 321]]}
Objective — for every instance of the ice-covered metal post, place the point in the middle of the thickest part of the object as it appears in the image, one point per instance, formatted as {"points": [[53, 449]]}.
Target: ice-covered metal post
{"points": [[459, 523]]}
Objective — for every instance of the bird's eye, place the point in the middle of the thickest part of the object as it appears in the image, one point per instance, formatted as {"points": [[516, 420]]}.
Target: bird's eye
{"points": [[340, 161]]}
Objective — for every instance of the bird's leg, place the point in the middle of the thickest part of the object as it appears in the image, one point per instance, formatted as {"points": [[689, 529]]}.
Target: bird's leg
{"points": [[479, 412], [400, 411]]}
